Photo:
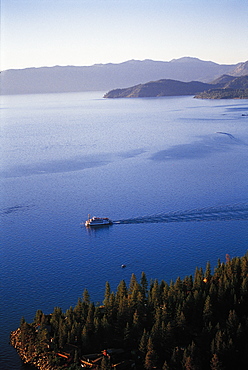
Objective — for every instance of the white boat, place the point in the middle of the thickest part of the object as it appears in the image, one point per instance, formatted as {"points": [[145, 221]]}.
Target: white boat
{"points": [[98, 221]]}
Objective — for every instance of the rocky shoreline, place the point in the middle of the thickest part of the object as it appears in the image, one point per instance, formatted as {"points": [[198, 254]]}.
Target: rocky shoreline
{"points": [[28, 355]]}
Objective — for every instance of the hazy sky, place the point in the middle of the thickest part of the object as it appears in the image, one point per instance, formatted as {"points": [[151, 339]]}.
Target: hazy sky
{"points": [[84, 32]]}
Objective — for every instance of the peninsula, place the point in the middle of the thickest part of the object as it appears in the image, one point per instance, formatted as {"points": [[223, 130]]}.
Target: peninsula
{"points": [[225, 87]]}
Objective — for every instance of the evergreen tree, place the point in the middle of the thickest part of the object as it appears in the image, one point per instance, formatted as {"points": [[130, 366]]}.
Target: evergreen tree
{"points": [[144, 284], [165, 366], [232, 323], [198, 278], [188, 283], [189, 364], [133, 284], [244, 266], [121, 291], [86, 297], [207, 310], [216, 363], [38, 317], [85, 340], [207, 274], [22, 321], [176, 358], [143, 342], [151, 356], [78, 310], [107, 294], [136, 322], [128, 342], [154, 297]]}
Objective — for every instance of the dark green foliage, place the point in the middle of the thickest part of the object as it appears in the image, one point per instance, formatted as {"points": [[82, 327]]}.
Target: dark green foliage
{"points": [[194, 323]]}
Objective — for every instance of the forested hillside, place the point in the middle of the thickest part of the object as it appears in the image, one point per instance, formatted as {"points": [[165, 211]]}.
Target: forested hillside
{"points": [[198, 322]]}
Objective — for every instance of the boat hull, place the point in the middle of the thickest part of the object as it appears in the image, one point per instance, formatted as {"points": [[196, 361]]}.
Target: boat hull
{"points": [[97, 221]]}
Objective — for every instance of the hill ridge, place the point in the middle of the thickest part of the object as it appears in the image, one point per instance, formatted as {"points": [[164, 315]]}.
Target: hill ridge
{"points": [[104, 77]]}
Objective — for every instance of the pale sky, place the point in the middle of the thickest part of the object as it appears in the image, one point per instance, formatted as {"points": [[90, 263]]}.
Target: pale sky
{"points": [[37, 33]]}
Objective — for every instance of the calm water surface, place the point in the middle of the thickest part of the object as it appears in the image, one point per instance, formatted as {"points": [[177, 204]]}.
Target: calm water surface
{"points": [[67, 155]]}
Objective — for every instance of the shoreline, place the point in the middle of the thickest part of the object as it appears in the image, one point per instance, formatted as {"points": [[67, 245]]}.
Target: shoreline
{"points": [[29, 356]]}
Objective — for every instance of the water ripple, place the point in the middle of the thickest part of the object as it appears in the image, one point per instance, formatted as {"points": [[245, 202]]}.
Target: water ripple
{"points": [[221, 213]]}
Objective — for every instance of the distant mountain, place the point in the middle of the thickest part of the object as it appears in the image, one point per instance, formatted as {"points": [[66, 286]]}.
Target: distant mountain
{"points": [[240, 70], [233, 88], [104, 77], [159, 88]]}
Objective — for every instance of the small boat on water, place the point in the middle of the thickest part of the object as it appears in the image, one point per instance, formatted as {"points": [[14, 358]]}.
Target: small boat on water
{"points": [[97, 221]]}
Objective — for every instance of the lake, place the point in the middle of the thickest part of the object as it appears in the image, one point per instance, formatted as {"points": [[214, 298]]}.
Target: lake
{"points": [[174, 168]]}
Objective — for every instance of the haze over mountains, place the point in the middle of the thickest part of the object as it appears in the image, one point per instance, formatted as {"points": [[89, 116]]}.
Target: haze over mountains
{"points": [[104, 77]]}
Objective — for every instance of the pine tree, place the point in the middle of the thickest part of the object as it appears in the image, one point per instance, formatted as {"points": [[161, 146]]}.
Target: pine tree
{"points": [[176, 358], [62, 334], [107, 294], [86, 297], [121, 291], [133, 284], [85, 340], [136, 321], [90, 318], [154, 296], [144, 284], [198, 278], [207, 310], [178, 284], [244, 266], [207, 274], [215, 363], [189, 364], [165, 366], [232, 323], [78, 309], [143, 342], [22, 321], [38, 317], [151, 356], [192, 358], [188, 283], [127, 337]]}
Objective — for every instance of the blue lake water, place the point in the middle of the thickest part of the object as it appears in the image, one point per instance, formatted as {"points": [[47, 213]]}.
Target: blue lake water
{"points": [[67, 155]]}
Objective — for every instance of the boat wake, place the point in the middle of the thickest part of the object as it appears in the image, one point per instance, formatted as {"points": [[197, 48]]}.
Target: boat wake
{"points": [[220, 213]]}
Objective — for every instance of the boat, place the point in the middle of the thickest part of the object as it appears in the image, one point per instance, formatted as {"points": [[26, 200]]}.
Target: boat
{"points": [[98, 221]]}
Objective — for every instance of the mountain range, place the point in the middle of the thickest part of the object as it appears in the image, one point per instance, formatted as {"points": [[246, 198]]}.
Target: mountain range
{"points": [[104, 77]]}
